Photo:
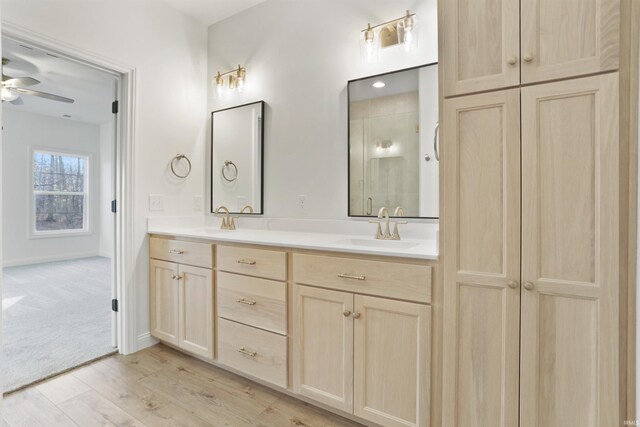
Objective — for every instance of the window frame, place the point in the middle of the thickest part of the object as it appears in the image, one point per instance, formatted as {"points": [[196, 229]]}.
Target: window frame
{"points": [[86, 222]]}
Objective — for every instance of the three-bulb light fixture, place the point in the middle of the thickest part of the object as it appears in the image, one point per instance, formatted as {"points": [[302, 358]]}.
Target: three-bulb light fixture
{"points": [[236, 80], [400, 31]]}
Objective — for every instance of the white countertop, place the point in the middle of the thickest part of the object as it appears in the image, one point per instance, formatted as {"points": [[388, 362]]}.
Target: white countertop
{"points": [[356, 243]]}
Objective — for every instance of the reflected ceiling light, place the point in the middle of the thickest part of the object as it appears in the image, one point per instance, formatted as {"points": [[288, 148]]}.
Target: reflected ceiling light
{"points": [[237, 78], [379, 85], [400, 31]]}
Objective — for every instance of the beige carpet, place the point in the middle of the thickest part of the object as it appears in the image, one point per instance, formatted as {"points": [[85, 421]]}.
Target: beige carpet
{"points": [[56, 315]]}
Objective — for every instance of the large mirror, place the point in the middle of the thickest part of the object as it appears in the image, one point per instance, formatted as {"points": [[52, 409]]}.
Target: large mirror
{"points": [[236, 158], [393, 153]]}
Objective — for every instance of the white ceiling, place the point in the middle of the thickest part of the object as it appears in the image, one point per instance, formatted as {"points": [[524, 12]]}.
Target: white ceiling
{"points": [[396, 82], [93, 90], [211, 11]]}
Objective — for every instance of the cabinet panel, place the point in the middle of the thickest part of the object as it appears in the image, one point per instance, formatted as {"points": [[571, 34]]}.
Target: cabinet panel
{"points": [[570, 232], [388, 279], [270, 264], [163, 298], [196, 310], [253, 351], [323, 346], [391, 361], [480, 45], [569, 38], [481, 310], [192, 253], [252, 301]]}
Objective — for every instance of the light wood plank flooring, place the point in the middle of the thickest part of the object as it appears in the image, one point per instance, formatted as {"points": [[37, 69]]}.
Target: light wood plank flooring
{"points": [[157, 387]]}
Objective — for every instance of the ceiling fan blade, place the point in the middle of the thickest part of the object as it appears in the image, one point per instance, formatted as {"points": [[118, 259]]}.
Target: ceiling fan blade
{"points": [[20, 81], [44, 95], [17, 101]]}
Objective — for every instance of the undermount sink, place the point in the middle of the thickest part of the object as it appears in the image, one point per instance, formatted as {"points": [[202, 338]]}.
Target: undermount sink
{"points": [[374, 243]]}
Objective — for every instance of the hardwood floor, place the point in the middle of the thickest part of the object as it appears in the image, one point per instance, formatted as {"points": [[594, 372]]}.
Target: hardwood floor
{"points": [[157, 387]]}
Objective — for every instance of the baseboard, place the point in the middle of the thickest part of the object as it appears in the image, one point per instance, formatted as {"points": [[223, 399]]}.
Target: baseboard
{"points": [[145, 340], [51, 258]]}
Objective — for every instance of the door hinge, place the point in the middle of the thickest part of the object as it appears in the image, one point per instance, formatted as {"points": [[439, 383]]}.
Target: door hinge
{"points": [[114, 206], [114, 305], [114, 107]]}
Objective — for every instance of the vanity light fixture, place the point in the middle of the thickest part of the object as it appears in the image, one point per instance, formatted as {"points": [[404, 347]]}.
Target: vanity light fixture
{"points": [[237, 78], [400, 31]]}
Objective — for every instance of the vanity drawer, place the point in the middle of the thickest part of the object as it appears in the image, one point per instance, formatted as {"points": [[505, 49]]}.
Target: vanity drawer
{"points": [[253, 351], [191, 253], [254, 262], [387, 279], [253, 301]]}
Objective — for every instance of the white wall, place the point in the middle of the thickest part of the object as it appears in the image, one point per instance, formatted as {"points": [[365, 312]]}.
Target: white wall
{"points": [[106, 190], [299, 55], [169, 53], [22, 132]]}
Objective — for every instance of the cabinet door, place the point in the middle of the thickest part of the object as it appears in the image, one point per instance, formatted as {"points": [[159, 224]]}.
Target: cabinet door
{"points": [[570, 226], [563, 38], [480, 45], [391, 361], [163, 298], [481, 231], [323, 346], [196, 310]]}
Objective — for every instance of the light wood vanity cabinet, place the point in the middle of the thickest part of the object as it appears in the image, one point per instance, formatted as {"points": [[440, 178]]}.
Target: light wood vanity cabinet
{"points": [[367, 355], [494, 44], [252, 311], [181, 295], [533, 332]]}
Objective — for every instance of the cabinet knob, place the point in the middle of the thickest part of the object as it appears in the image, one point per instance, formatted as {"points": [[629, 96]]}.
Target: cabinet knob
{"points": [[513, 284], [346, 313], [512, 60], [528, 57], [528, 286], [356, 315]]}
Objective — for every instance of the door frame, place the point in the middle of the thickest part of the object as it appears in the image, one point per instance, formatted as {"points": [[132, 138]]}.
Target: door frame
{"points": [[124, 249]]}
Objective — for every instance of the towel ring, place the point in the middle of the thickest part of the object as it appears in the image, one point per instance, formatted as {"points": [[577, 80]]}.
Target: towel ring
{"points": [[177, 158], [228, 163]]}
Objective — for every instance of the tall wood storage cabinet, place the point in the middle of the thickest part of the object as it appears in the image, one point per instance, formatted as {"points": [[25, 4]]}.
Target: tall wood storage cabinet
{"points": [[531, 233]]}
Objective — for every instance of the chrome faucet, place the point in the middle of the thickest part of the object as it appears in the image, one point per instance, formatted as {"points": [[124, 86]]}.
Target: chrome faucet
{"points": [[383, 213], [228, 222]]}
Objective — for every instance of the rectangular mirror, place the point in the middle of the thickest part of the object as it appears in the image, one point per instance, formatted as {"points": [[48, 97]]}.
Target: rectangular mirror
{"points": [[237, 138], [393, 158]]}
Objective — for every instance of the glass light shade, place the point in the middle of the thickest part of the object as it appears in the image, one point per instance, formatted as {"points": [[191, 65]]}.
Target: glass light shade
{"points": [[240, 79], [369, 45], [219, 82], [407, 32], [9, 95]]}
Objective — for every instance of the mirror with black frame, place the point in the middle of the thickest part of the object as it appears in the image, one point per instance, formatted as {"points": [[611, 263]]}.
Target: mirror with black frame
{"points": [[237, 141], [393, 143]]}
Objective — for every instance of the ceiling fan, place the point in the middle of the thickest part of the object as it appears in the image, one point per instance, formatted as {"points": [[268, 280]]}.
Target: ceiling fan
{"points": [[12, 88]]}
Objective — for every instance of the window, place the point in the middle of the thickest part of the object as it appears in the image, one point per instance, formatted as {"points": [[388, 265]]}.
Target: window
{"points": [[60, 192]]}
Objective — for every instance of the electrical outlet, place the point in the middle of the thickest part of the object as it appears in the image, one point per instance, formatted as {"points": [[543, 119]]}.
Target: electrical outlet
{"points": [[156, 202], [197, 203], [302, 202]]}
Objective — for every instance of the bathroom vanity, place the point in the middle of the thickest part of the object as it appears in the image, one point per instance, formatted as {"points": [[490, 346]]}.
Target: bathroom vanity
{"points": [[322, 317]]}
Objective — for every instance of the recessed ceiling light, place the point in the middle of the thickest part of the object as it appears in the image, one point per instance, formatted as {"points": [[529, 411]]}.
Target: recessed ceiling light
{"points": [[379, 84]]}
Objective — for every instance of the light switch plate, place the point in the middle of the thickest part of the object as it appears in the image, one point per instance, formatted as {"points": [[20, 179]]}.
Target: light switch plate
{"points": [[156, 202]]}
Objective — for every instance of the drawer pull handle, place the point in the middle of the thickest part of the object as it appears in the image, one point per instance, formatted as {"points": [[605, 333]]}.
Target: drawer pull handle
{"points": [[246, 261], [176, 252], [351, 276], [246, 301], [247, 352]]}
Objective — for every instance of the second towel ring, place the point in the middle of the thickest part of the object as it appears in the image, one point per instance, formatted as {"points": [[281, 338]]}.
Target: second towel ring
{"points": [[228, 163], [177, 158]]}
